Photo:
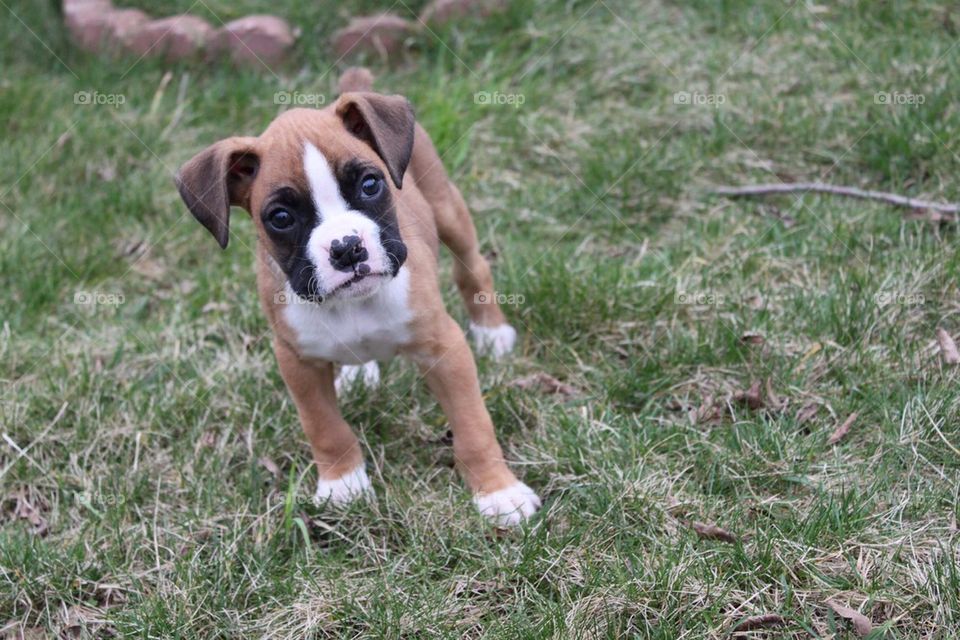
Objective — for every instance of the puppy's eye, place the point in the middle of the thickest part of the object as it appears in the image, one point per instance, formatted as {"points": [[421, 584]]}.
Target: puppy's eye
{"points": [[280, 219], [370, 186]]}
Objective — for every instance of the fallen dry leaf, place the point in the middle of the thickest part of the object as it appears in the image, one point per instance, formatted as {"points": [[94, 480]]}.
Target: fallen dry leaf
{"points": [[675, 405], [929, 215], [708, 411], [63, 139], [270, 466], [774, 212], [107, 172], [132, 248], [215, 307], [861, 624], [812, 351], [16, 631], [806, 413], [842, 430], [499, 533], [760, 622], [109, 594], [186, 287], [751, 397], [81, 621], [751, 337], [948, 348], [149, 268], [545, 383], [208, 439], [30, 508], [712, 532], [773, 399]]}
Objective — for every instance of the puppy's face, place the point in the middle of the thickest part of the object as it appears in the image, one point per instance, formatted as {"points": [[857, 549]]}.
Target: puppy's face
{"points": [[320, 186], [325, 207]]}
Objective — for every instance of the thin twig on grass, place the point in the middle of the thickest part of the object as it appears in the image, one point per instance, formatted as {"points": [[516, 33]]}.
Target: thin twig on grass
{"points": [[759, 622], [843, 429], [712, 532], [852, 192]]}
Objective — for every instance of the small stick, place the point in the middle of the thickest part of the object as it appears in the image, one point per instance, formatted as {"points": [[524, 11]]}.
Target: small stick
{"points": [[843, 429], [820, 187]]}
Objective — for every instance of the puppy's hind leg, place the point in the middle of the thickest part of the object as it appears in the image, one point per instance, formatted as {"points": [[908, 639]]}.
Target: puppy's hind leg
{"points": [[471, 271]]}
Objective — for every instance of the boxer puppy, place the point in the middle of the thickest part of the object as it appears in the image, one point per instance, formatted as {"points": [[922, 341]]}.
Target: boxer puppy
{"points": [[350, 203]]}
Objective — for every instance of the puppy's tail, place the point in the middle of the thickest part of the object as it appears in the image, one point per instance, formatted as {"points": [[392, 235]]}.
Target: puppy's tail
{"points": [[356, 79]]}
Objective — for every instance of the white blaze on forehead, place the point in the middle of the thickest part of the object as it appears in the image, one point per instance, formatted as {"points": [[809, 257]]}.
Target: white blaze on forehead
{"points": [[324, 188], [336, 220]]}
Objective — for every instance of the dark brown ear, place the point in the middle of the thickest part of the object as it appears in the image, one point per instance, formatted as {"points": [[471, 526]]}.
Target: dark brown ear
{"points": [[386, 123], [219, 176]]}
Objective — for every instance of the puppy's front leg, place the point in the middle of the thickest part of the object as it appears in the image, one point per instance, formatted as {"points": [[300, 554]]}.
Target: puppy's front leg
{"points": [[336, 450], [448, 366]]}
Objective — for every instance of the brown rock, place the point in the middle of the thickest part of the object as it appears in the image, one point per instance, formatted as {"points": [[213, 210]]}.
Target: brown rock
{"points": [[86, 27], [382, 34], [120, 23], [70, 6], [175, 38], [87, 22], [355, 79], [254, 40], [442, 11]]}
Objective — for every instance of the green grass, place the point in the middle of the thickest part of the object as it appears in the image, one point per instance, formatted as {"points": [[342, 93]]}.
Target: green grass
{"points": [[594, 196]]}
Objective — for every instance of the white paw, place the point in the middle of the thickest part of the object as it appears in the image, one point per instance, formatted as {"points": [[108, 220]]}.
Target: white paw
{"points": [[367, 374], [344, 489], [497, 341], [509, 506]]}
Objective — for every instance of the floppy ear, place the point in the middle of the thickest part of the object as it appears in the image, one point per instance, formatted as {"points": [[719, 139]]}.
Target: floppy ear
{"points": [[386, 123], [219, 176]]}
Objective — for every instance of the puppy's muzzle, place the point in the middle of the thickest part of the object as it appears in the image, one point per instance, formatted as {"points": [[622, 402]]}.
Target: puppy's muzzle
{"points": [[348, 253]]}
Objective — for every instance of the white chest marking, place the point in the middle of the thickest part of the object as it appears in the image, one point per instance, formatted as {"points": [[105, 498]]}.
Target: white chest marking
{"points": [[354, 331]]}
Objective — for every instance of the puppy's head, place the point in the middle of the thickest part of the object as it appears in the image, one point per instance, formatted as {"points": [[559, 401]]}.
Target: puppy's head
{"points": [[320, 186]]}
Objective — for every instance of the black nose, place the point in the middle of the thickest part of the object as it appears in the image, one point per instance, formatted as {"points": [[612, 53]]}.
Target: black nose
{"points": [[346, 253]]}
